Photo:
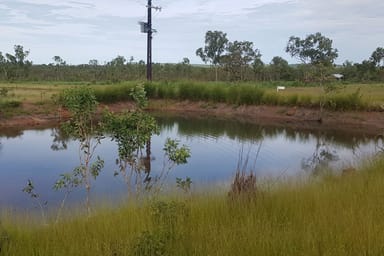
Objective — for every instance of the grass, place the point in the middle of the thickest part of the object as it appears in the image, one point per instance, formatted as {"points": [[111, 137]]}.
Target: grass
{"points": [[329, 215], [352, 97]]}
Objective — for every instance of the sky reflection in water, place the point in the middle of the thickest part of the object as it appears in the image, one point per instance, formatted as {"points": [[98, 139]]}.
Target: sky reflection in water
{"points": [[215, 147]]}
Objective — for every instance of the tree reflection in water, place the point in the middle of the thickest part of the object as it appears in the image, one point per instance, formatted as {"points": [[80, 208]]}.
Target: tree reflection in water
{"points": [[321, 158], [60, 139]]}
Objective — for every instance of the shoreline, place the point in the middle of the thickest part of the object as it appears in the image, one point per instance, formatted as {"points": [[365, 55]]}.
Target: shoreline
{"points": [[354, 122]]}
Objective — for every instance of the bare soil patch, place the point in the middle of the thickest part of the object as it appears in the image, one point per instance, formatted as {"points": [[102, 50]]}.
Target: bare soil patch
{"points": [[360, 122]]}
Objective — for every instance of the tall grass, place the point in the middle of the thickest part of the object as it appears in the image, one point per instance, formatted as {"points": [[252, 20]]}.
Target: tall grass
{"points": [[334, 215], [368, 97], [255, 94]]}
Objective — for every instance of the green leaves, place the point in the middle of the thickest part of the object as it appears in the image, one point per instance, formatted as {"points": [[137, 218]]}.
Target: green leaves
{"points": [[314, 49], [176, 154]]}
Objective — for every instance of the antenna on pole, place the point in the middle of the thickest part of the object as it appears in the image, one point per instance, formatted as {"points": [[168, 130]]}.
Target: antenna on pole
{"points": [[146, 27]]}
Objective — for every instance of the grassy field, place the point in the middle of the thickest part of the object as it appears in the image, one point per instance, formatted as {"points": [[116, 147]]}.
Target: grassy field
{"points": [[327, 215], [350, 97]]}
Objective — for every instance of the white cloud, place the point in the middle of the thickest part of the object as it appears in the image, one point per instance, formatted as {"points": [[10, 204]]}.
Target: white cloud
{"points": [[107, 28]]}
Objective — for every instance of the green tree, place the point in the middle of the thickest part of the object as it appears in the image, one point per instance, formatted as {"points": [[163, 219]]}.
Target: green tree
{"points": [[59, 62], [239, 56], [82, 105], [315, 52], [314, 49], [118, 61], [280, 69], [258, 69], [377, 57], [215, 44], [17, 65]]}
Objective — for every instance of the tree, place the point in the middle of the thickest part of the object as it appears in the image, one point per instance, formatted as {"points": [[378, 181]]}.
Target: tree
{"points": [[118, 61], [314, 49], [240, 54], [258, 68], [82, 105], [280, 68], [59, 61], [93, 63], [377, 57], [17, 65], [215, 44]]}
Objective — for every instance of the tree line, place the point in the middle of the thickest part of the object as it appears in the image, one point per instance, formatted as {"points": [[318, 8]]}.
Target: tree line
{"points": [[228, 61]]}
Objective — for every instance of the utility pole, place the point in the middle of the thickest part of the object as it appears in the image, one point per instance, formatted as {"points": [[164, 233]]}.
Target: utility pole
{"points": [[149, 41], [146, 27]]}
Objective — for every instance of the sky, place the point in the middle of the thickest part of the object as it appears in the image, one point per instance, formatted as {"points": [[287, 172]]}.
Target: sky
{"points": [[81, 30]]}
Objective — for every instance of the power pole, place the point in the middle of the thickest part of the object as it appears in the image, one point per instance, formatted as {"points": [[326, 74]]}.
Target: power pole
{"points": [[149, 41], [146, 27]]}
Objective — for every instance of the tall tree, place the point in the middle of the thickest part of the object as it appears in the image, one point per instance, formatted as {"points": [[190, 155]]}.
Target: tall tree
{"points": [[280, 68], [314, 49], [215, 44], [240, 54], [377, 56], [17, 65]]}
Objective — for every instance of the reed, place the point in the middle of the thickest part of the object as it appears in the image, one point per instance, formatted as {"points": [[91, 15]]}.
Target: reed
{"points": [[328, 215]]}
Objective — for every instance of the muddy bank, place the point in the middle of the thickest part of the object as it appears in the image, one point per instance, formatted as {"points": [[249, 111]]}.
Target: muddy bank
{"points": [[358, 122]]}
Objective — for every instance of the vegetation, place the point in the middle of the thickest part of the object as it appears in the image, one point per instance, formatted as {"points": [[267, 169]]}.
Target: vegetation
{"points": [[229, 61], [330, 215]]}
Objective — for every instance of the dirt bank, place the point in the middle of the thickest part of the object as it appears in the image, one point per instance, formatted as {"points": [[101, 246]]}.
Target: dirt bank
{"points": [[361, 122]]}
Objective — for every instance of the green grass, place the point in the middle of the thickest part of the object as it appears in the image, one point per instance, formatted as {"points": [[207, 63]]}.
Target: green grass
{"points": [[369, 96], [329, 215]]}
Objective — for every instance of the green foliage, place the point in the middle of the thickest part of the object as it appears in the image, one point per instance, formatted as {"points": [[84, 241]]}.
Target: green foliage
{"points": [[131, 131], [139, 96], [176, 154], [215, 43], [314, 49], [239, 55], [167, 219], [377, 56], [329, 215], [31, 191], [351, 101], [9, 104], [82, 105], [3, 92], [184, 184]]}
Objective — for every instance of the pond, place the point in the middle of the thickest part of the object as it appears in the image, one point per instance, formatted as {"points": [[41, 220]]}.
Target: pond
{"points": [[217, 147]]}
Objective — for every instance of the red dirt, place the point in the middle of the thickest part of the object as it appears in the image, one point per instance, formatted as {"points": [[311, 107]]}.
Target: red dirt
{"points": [[360, 122]]}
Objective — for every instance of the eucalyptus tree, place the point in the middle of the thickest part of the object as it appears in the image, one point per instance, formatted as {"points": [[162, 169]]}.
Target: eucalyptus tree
{"points": [[314, 49], [17, 65], [377, 57], [82, 105], [58, 63], [215, 45], [239, 56], [280, 69], [316, 52]]}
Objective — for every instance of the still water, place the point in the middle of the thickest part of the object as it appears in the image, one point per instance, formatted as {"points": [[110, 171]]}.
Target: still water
{"points": [[216, 147]]}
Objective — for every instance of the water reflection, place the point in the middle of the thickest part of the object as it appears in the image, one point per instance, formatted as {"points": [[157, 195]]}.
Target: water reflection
{"points": [[215, 145]]}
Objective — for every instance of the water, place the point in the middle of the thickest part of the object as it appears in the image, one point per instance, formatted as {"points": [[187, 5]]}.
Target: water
{"points": [[216, 148]]}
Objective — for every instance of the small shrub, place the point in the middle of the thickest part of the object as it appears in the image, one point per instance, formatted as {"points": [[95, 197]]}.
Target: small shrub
{"points": [[166, 219], [3, 92], [243, 186], [9, 104], [150, 244]]}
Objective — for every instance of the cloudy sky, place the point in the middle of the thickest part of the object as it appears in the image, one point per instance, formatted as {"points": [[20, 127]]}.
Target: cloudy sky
{"points": [[80, 30]]}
